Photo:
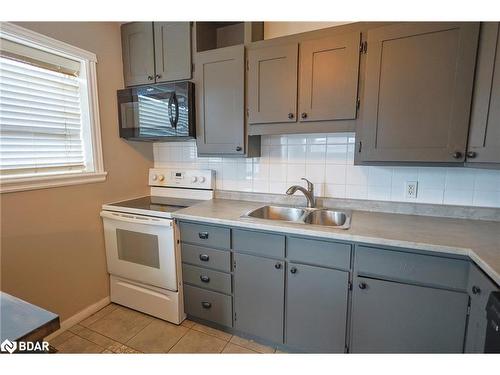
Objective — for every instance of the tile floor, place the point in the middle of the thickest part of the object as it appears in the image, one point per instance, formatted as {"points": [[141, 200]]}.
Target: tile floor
{"points": [[117, 329]]}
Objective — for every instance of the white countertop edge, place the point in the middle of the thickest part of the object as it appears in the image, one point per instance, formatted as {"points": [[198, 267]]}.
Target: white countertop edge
{"points": [[339, 234]]}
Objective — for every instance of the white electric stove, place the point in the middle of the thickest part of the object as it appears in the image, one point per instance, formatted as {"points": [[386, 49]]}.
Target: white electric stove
{"points": [[142, 252]]}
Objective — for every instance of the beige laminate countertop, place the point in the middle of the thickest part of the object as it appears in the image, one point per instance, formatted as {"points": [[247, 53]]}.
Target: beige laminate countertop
{"points": [[479, 240]]}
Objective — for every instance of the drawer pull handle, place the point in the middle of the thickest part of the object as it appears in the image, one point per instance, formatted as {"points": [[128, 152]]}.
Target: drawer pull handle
{"points": [[293, 270], [205, 278], [203, 235], [204, 257], [476, 290], [362, 285], [206, 305]]}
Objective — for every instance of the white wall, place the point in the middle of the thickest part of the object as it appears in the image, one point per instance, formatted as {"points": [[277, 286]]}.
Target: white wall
{"points": [[327, 160]]}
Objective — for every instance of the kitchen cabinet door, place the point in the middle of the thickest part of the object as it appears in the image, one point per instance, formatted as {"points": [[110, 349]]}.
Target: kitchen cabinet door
{"points": [[316, 308], [484, 134], [479, 289], [329, 78], [172, 42], [259, 285], [390, 317], [138, 53], [272, 84], [418, 91], [220, 79]]}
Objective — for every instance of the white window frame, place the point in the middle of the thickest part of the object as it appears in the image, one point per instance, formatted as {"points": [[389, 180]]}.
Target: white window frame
{"points": [[91, 140]]}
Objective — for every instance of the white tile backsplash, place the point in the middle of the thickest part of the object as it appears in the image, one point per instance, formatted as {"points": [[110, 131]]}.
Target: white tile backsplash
{"points": [[328, 161]]}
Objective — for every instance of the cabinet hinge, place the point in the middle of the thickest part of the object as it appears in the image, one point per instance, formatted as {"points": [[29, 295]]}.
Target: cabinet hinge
{"points": [[359, 147], [248, 112], [235, 315], [349, 285], [358, 103], [248, 65], [363, 47], [178, 242], [234, 264]]}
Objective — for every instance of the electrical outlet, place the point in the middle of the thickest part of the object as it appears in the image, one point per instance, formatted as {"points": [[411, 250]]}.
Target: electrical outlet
{"points": [[411, 189]]}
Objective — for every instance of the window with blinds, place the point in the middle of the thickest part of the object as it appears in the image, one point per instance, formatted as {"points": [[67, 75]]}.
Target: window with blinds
{"points": [[49, 114], [40, 117]]}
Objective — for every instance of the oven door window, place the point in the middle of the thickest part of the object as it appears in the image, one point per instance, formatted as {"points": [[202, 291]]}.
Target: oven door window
{"points": [[138, 248]]}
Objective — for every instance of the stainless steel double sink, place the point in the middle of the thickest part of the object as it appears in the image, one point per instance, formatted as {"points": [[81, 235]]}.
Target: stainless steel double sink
{"points": [[315, 216]]}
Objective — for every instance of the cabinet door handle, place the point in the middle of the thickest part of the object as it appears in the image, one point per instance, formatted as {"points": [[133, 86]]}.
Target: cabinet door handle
{"points": [[457, 155], [293, 270], [291, 115], [205, 278], [471, 154], [303, 115], [277, 266], [238, 148], [476, 290], [158, 76], [203, 235], [150, 78], [204, 257], [362, 285], [206, 305]]}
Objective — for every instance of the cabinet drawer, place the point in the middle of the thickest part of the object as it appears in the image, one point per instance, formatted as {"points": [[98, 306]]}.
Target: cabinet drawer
{"points": [[258, 243], [208, 305], [202, 256], [418, 268], [205, 278], [206, 235], [322, 253]]}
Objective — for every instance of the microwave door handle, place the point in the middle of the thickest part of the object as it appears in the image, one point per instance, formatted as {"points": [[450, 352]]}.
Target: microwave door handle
{"points": [[176, 102], [170, 116], [136, 219]]}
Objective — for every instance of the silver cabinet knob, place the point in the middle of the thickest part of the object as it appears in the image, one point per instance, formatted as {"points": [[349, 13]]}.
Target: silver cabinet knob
{"points": [[150, 78], [291, 115], [158, 76], [457, 155]]}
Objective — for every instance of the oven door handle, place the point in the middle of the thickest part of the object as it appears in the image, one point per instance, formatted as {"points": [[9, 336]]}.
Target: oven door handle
{"points": [[129, 218]]}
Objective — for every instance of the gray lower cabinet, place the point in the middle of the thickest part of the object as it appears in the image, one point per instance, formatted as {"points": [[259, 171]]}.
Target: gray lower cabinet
{"points": [[272, 84], [316, 308], [220, 81], [156, 52], [329, 78], [259, 285], [138, 53], [417, 92], [479, 289], [484, 133], [391, 317]]}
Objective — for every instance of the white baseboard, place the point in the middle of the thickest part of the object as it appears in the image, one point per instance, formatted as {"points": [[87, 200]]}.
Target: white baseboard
{"points": [[79, 316]]}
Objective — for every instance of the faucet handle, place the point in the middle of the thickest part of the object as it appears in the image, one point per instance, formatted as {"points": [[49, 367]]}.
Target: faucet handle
{"points": [[310, 185]]}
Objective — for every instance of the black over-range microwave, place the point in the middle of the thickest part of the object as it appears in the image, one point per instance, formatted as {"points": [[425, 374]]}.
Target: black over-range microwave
{"points": [[161, 112]]}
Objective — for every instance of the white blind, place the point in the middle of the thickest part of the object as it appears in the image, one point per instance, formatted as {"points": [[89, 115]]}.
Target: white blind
{"points": [[40, 120]]}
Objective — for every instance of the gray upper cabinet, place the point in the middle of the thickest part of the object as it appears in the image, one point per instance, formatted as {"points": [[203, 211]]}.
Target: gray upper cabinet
{"points": [[156, 52], [259, 285], [479, 289], [484, 134], [220, 80], [316, 308], [172, 51], [272, 84], [417, 93], [138, 53], [329, 78], [391, 317]]}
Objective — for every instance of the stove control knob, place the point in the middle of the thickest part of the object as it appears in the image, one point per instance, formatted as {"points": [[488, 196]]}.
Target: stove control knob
{"points": [[194, 179], [161, 178], [154, 177], [201, 179]]}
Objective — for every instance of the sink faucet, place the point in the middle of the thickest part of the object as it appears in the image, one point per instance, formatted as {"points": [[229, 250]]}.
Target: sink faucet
{"points": [[309, 193]]}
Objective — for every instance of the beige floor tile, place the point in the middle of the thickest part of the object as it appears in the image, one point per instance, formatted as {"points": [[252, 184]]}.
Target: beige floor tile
{"points": [[212, 331], [95, 337], [158, 337], [76, 344], [62, 337], [236, 349], [188, 323], [198, 342], [123, 349], [121, 324], [76, 328], [107, 351], [252, 345], [98, 315]]}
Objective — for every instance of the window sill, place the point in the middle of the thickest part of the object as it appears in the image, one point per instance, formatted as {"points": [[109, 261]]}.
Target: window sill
{"points": [[44, 182]]}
